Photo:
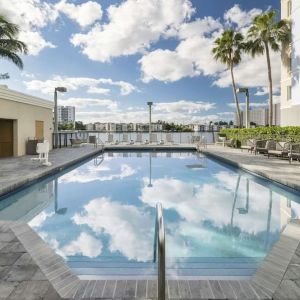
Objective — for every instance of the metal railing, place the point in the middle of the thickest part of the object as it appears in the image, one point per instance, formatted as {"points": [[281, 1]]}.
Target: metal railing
{"points": [[159, 246]]}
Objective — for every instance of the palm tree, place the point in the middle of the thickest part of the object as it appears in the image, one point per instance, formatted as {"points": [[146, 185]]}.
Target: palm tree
{"points": [[228, 49], [10, 46], [264, 34]]}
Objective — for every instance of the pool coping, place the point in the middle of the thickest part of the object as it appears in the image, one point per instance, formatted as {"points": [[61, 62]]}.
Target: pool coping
{"points": [[262, 285]]}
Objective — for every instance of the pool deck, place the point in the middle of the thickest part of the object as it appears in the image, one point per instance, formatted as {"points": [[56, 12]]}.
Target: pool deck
{"points": [[275, 169], [29, 269], [17, 172]]}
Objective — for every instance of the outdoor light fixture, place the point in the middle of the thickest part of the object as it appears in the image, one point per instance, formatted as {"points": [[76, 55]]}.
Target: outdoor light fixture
{"points": [[245, 91], [60, 89], [149, 104]]}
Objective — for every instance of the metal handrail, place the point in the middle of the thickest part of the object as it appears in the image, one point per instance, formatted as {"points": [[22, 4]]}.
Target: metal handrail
{"points": [[159, 246]]}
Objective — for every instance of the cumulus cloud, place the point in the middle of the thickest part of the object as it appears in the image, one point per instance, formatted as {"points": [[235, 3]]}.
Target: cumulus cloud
{"points": [[84, 14], [126, 226], [240, 18], [74, 83], [165, 65], [89, 102], [32, 16], [131, 28]]}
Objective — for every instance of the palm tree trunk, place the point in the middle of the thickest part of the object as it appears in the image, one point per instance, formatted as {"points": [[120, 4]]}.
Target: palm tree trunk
{"points": [[270, 85], [238, 112]]}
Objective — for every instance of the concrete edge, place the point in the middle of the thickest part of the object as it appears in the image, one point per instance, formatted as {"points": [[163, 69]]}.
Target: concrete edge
{"points": [[271, 271]]}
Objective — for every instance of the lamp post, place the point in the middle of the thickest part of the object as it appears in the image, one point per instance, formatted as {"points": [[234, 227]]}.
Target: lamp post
{"points": [[60, 89], [246, 91], [149, 104]]}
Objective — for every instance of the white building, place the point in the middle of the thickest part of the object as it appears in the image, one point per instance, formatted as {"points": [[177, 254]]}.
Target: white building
{"points": [[89, 126], [66, 114], [290, 70]]}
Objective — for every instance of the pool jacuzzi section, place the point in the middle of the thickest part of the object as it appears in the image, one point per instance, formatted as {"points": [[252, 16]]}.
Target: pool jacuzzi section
{"points": [[100, 215]]}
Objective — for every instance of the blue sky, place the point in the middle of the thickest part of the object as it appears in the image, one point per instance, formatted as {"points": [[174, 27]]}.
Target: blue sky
{"points": [[114, 56]]}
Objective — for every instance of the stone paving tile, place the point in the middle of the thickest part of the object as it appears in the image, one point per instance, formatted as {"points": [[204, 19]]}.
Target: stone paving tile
{"points": [[7, 259], [30, 290], [24, 259], [21, 273], [6, 288], [13, 247], [288, 290]]}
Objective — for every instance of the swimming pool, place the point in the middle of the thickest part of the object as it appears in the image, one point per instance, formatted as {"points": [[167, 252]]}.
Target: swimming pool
{"points": [[99, 215]]}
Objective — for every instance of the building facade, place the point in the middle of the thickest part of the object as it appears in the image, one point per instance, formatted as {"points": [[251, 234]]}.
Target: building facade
{"points": [[66, 114], [290, 69], [23, 117]]}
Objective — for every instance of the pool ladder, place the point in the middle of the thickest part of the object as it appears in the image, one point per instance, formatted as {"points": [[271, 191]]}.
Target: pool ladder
{"points": [[159, 247]]}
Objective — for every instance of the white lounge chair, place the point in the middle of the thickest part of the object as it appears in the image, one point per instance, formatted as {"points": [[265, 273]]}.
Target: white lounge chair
{"points": [[169, 138], [139, 138], [43, 151], [110, 138], [153, 138], [125, 138]]}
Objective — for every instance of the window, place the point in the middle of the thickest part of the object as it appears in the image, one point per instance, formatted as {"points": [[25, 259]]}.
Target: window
{"points": [[290, 64], [289, 8], [289, 92]]}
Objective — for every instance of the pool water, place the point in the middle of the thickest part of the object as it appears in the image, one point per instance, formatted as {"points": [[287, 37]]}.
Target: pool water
{"points": [[100, 215]]}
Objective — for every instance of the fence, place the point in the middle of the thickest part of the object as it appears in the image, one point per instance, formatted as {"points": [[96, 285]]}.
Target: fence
{"points": [[178, 137]]}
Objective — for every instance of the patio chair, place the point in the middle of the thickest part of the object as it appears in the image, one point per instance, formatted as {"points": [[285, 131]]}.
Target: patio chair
{"points": [[76, 142], [169, 138], [294, 153], [230, 143], [249, 145], [279, 149], [43, 151], [260, 147]]}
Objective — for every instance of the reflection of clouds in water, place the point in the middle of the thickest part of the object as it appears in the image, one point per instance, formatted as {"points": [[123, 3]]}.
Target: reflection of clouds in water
{"points": [[92, 173], [85, 245], [130, 229], [213, 202], [38, 220]]}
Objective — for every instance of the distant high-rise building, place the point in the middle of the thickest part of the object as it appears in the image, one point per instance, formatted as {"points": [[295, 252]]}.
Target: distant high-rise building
{"points": [[290, 83], [66, 114]]}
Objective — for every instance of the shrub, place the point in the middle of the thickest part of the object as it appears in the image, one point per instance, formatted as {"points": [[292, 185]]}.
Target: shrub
{"points": [[289, 133]]}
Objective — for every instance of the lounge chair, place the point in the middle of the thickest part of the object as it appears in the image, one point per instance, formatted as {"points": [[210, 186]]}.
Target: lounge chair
{"points": [[43, 151], [221, 141], [279, 149], [76, 142], [249, 145], [294, 153], [139, 138], [125, 138], [260, 147], [153, 138], [110, 138], [169, 138], [230, 143]]}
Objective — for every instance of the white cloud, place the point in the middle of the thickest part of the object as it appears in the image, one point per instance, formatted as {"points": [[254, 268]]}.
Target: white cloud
{"points": [[31, 16], [186, 106], [74, 83], [91, 174], [129, 228], [85, 245], [84, 14], [237, 16], [132, 26], [38, 220], [165, 65], [89, 102], [97, 90]]}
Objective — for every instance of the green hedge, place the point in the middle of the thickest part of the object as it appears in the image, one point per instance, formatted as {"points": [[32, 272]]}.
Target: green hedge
{"points": [[289, 133]]}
